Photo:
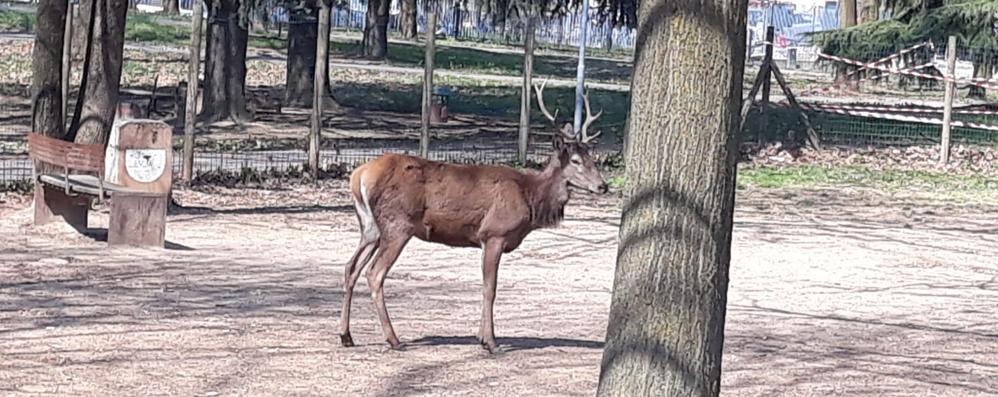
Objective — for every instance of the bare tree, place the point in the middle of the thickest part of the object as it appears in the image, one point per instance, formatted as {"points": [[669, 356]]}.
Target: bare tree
{"points": [[103, 57], [46, 67], [171, 7], [408, 19], [666, 325], [225, 61], [375, 45]]}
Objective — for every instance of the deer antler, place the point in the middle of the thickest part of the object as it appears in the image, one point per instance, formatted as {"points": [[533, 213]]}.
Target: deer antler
{"points": [[590, 118], [540, 102]]}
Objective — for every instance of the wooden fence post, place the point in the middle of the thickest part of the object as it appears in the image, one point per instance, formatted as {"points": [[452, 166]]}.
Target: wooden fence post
{"points": [[67, 59], [528, 71], [318, 90], [948, 98], [190, 111], [431, 29]]}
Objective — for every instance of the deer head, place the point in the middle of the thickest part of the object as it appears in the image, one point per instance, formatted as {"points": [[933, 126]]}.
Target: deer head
{"points": [[571, 151]]}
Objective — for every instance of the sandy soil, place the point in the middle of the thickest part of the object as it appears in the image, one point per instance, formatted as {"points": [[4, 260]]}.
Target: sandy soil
{"points": [[833, 292]]}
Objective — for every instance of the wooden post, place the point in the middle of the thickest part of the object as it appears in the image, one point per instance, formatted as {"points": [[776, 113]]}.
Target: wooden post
{"points": [[948, 97], [750, 99], [528, 71], [318, 91], [190, 111], [767, 60], [67, 58], [812, 136], [424, 137], [766, 80]]}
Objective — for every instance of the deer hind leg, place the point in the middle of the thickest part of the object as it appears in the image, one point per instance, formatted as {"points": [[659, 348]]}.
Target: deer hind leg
{"points": [[351, 273], [491, 253], [370, 236], [390, 248]]}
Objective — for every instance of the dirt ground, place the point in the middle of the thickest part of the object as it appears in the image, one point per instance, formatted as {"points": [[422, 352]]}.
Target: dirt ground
{"points": [[833, 292]]}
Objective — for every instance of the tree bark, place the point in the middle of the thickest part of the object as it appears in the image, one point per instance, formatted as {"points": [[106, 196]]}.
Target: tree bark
{"points": [[847, 13], [666, 325], [870, 11], [80, 25], [171, 7], [302, 40], [46, 66], [376, 29], [225, 63], [408, 22], [102, 76], [847, 18]]}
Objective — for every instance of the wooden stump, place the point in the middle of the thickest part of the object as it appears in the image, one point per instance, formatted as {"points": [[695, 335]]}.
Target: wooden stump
{"points": [[137, 219], [52, 203]]}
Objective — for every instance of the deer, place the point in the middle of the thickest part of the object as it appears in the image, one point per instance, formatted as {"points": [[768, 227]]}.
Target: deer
{"points": [[492, 207]]}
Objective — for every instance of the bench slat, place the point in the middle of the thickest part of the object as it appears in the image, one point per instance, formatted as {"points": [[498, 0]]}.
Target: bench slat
{"points": [[87, 184]]}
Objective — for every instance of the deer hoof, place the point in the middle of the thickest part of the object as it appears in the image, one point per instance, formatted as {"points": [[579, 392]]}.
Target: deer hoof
{"points": [[398, 346], [490, 347], [346, 340]]}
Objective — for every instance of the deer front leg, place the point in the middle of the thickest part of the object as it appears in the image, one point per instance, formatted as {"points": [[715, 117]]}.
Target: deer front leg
{"points": [[491, 253]]}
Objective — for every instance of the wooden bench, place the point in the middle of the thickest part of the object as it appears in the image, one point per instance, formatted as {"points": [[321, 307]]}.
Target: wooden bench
{"points": [[68, 176]]}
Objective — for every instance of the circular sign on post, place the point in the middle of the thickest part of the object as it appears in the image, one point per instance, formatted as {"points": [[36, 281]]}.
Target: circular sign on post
{"points": [[145, 165]]}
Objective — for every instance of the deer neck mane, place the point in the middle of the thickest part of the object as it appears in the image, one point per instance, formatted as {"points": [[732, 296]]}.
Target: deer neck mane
{"points": [[547, 196]]}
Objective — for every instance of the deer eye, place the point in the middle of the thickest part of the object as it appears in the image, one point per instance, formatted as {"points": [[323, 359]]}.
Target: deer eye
{"points": [[576, 159]]}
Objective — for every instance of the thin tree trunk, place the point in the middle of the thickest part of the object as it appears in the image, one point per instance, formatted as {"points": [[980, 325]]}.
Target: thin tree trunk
{"points": [[376, 29], [225, 67], [171, 7], [847, 13], [847, 18], [408, 22], [870, 11], [666, 325], [46, 66], [102, 79], [302, 39]]}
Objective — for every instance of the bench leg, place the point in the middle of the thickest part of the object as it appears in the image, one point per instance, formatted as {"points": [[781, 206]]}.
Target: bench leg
{"points": [[52, 204], [137, 220]]}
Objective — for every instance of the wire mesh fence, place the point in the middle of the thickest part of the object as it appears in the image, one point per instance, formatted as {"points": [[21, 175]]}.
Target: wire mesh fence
{"points": [[888, 96]]}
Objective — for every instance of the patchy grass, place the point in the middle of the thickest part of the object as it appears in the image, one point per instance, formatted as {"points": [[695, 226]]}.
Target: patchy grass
{"points": [[491, 62], [16, 21], [889, 179], [485, 100], [148, 28]]}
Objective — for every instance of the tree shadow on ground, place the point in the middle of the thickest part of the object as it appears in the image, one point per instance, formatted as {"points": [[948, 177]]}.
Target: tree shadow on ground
{"points": [[510, 343]]}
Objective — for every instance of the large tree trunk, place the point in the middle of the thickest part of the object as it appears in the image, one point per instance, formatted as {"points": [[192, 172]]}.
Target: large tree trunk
{"points": [[171, 7], [225, 63], [46, 67], [666, 325], [302, 39], [376, 29], [102, 74], [408, 22]]}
